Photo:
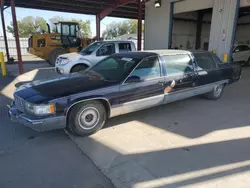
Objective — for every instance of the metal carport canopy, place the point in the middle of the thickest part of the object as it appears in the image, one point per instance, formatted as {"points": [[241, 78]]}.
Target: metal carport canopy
{"points": [[133, 9], [114, 8]]}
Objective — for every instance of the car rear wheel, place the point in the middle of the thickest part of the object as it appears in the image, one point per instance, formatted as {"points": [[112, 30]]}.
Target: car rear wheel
{"points": [[78, 68], [87, 118], [216, 93], [248, 62]]}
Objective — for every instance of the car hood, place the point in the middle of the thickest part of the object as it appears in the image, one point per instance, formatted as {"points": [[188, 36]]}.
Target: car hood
{"points": [[42, 91], [76, 56]]}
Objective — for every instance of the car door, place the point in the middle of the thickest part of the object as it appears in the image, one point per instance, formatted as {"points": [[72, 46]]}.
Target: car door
{"points": [[246, 52], [147, 91], [180, 77], [238, 53], [207, 70], [104, 51]]}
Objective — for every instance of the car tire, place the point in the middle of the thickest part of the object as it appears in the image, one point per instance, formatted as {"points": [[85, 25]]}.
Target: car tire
{"points": [[54, 54], [87, 118], [216, 93], [78, 68], [247, 62]]}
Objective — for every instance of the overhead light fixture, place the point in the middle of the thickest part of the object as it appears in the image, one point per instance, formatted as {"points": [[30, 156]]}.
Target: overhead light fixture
{"points": [[158, 4]]}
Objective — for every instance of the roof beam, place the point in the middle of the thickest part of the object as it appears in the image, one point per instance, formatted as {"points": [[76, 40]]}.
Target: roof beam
{"points": [[117, 3]]}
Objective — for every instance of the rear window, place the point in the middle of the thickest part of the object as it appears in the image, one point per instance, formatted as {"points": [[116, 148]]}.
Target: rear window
{"points": [[205, 61], [124, 47]]}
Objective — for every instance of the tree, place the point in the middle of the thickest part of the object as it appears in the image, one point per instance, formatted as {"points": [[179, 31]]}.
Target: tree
{"points": [[84, 26], [116, 29], [28, 26]]}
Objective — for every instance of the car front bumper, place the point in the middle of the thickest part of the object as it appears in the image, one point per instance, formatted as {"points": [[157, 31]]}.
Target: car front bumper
{"points": [[37, 123]]}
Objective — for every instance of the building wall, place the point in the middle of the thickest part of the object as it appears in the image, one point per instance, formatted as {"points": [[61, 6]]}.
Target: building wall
{"points": [[184, 32], [193, 5], [157, 25]]}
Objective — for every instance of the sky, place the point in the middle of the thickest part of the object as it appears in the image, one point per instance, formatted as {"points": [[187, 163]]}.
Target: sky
{"points": [[23, 12]]}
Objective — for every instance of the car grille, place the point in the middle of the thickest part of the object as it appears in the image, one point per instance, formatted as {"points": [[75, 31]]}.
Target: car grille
{"points": [[19, 102]]}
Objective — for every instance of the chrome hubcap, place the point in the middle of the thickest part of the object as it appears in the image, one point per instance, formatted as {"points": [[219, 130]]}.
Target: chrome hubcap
{"points": [[89, 118], [218, 90]]}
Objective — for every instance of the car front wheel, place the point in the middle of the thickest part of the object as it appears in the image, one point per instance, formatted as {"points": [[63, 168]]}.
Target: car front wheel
{"points": [[216, 93], [78, 68], [248, 62], [87, 118]]}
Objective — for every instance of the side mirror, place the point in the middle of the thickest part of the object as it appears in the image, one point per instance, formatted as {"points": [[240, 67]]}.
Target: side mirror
{"points": [[133, 79]]}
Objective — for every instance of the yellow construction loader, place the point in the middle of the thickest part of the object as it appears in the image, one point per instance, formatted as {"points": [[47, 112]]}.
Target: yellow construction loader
{"points": [[66, 39]]}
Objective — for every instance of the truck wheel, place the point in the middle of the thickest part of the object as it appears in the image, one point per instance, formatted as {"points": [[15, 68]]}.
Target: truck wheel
{"points": [[216, 93], [54, 54], [78, 68], [87, 118]]}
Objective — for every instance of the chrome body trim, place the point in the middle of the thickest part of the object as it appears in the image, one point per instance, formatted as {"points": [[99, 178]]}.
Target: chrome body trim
{"points": [[36, 123], [91, 99], [142, 104]]}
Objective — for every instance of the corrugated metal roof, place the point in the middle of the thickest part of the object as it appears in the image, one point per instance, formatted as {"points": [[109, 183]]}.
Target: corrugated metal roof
{"points": [[93, 7]]}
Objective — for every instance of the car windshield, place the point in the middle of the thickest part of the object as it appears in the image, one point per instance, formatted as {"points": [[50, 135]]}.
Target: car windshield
{"points": [[91, 48], [114, 68]]}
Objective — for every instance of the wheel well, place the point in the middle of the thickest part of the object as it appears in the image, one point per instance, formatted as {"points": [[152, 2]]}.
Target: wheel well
{"points": [[81, 64], [102, 101]]}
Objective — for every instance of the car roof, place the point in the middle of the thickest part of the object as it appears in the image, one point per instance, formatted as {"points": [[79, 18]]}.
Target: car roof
{"points": [[176, 52], [148, 53], [115, 41], [136, 54]]}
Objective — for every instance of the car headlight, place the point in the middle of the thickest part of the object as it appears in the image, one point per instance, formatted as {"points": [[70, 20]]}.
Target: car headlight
{"points": [[44, 109], [63, 61]]}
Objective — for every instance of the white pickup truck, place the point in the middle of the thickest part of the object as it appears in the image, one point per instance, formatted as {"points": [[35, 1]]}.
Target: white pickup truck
{"points": [[241, 53], [89, 56]]}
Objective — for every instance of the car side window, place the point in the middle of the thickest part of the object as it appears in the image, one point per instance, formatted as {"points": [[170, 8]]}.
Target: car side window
{"points": [[106, 49], [240, 48], [205, 62], [124, 47], [178, 64], [245, 48], [109, 63], [148, 69]]}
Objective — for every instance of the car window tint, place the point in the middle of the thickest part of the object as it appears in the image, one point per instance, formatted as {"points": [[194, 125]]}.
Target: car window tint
{"points": [[205, 61], [110, 63], [124, 47], [106, 49], [148, 69], [245, 48], [178, 64], [240, 48], [114, 68]]}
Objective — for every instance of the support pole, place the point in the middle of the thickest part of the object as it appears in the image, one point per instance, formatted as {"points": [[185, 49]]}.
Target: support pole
{"points": [[19, 56], [98, 27], [199, 29], [171, 12], [139, 30], [4, 31], [236, 16]]}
